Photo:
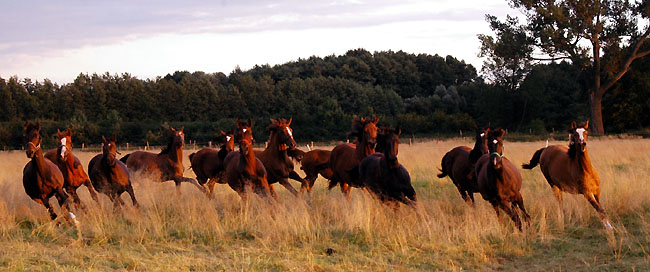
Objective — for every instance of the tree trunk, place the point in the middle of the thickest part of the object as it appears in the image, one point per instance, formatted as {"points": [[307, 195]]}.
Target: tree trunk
{"points": [[595, 104]]}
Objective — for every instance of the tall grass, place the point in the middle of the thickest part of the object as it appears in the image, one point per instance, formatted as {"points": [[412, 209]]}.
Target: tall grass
{"points": [[190, 231]]}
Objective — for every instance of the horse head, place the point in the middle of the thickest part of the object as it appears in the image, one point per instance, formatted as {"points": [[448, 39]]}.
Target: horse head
{"points": [[109, 151], [389, 140], [482, 139], [365, 129], [244, 136], [578, 136], [229, 144], [65, 143], [280, 128], [32, 131], [178, 138], [495, 146]]}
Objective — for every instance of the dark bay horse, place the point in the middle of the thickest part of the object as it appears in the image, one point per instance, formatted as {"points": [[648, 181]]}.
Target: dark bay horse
{"points": [[568, 169], [345, 158], [164, 166], [459, 164], [313, 163], [110, 175], [243, 169], [73, 172], [277, 162], [42, 179], [208, 165], [499, 180], [383, 175]]}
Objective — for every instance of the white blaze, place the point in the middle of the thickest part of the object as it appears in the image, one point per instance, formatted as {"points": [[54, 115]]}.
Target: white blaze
{"points": [[63, 147], [244, 130], [581, 132], [495, 141], [289, 131], [482, 134], [227, 138]]}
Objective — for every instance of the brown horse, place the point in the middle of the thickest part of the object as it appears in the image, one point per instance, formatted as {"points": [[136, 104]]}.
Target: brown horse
{"points": [[345, 158], [382, 173], [568, 169], [243, 169], [277, 162], [459, 164], [42, 179], [208, 164], [164, 166], [499, 180], [109, 175], [313, 163], [73, 173]]}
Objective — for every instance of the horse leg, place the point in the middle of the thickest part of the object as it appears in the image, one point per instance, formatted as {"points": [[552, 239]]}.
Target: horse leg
{"points": [[505, 206], [194, 182], [558, 194], [272, 191], [129, 190], [64, 203], [114, 198], [286, 184], [594, 200], [345, 189], [75, 198], [520, 204], [47, 205], [91, 190]]}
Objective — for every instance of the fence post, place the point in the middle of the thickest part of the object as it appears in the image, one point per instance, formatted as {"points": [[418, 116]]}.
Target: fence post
{"points": [[210, 144], [127, 146], [147, 147], [83, 146]]}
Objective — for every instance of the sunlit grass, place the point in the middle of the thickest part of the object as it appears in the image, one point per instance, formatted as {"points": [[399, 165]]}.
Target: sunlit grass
{"points": [[190, 231]]}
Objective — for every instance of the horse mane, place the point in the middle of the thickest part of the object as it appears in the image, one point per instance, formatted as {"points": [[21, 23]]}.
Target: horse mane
{"points": [[358, 125], [168, 148]]}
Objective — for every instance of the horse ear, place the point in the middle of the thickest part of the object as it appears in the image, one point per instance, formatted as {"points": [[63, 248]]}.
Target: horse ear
{"points": [[250, 123], [273, 121], [172, 129], [573, 124], [398, 131], [104, 138], [587, 124], [26, 125], [375, 120], [290, 119], [355, 117], [223, 133], [182, 128], [114, 138], [500, 132], [38, 126]]}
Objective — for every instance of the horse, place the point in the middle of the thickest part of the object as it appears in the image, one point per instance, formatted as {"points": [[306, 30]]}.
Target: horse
{"points": [[499, 180], [383, 175], [313, 163], [243, 169], [277, 162], [109, 175], [73, 173], [164, 166], [208, 165], [42, 179], [568, 169], [345, 158], [459, 164]]}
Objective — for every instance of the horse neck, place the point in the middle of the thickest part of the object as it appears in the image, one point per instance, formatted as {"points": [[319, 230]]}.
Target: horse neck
{"points": [[176, 154], [582, 160], [273, 147], [250, 161], [363, 150], [39, 160], [476, 152], [69, 162]]}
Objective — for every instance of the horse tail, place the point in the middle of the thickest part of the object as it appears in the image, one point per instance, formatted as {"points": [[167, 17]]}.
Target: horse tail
{"points": [[322, 166], [443, 163], [123, 159], [191, 155], [534, 160]]}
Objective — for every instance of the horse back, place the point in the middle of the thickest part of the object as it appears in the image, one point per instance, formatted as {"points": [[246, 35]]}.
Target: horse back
{"points": [[206, 163], [152, 164], [44, 184], [343, 160], [566, 173], [312, 159]]}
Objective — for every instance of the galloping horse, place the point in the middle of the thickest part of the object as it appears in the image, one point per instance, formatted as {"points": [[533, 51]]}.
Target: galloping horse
{"points": [[109, 175], [382, 173], [313, 163], [345, 158], [568, 169], [459, 164], [164, 166], [243, 169], [73, 173], [499, 180], [278, 164], [208, 165], [42, 179]]}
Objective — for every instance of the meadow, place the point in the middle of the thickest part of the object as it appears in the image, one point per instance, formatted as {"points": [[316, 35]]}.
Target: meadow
{"points": [[191, 232]]}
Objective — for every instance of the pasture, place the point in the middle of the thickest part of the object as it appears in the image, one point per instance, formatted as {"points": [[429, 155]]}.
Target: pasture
{"points": [[192, 232]]}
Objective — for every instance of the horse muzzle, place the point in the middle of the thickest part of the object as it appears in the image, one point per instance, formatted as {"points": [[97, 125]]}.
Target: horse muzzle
{"points": [[29, 153], [583, 146]]}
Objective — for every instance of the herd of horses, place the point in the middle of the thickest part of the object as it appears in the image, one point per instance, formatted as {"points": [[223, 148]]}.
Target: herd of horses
{"points": [[370, 164]]}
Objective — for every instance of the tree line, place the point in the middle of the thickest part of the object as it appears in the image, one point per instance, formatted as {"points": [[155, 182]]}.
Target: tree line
{"points": [[424, 94]]}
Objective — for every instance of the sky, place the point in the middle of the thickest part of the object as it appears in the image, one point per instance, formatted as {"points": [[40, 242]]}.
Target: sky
{"points": [[59, 40]]}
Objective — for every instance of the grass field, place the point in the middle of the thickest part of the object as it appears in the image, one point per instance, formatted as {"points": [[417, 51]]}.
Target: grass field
{"points": [[191, 232]]}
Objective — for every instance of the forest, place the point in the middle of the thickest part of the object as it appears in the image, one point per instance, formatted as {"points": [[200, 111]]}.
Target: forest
{"points": [[426, 95]]}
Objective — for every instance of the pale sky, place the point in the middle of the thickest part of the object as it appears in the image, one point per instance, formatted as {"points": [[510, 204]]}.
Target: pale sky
{"points": [[145, 38]]}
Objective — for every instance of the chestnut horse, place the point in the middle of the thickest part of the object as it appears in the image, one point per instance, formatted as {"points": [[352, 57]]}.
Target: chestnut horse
{"points": [[499, 180], [110, 175], [277, 162], [568, 169], [313, 163], [382, 173], [73, 173], [459, 164], [164, 166], [208, 165], [42, 179], [345, 158], [243, 169]]}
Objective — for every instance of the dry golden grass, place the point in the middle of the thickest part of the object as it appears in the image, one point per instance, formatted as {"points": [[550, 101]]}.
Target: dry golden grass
{"points": [[191, 232]]}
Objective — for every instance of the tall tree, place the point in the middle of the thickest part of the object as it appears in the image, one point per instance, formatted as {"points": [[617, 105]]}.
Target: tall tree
{"points": [[582, 31]]}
